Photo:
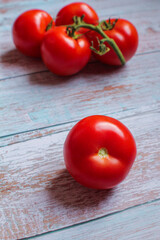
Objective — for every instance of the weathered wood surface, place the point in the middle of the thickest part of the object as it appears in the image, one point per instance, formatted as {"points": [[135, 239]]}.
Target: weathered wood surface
{"points": [[38, 133], [37, 109], [40, 100], [38, 195], [136, 223]]}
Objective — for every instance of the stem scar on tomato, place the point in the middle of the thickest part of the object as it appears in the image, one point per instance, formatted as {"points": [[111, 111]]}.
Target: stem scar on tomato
{"points": [[103, 153]]}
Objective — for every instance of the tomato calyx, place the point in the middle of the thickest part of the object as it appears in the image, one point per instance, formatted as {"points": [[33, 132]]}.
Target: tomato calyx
{"points": [[102, 47], [49, 26], [79, 23], [103, 153], [108, 25]]}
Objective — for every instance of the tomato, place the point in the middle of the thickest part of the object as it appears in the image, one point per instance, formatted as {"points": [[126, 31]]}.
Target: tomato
{"points": [[66, 14], [62, 54], [28, 31], [126, 37], [99, 152]]}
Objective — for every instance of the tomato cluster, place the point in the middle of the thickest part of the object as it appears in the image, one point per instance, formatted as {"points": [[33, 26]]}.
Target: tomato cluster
{"points": [[99, 151], [66, 51]]}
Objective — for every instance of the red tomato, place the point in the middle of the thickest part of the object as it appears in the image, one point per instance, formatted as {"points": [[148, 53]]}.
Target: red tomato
{"points": [[126, 37], [99, 152], [62, 54], [28, 31], [66, 14]]}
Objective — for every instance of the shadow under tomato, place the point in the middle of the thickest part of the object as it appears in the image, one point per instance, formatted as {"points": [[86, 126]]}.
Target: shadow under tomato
{"points": [[71, 194], [48, 78], [97, 67], [93, 71], [40, 75], [15, 57]]}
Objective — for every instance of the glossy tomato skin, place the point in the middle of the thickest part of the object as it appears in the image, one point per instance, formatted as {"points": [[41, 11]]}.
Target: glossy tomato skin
{"points": [[62, 54], [125, 35], [66, 14], [28, 31], [81, 152]]}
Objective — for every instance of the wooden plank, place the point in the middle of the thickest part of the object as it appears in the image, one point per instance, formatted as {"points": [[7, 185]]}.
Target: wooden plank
{"points": [[41, 132], [140, 222], [103, 8], [38, 195], [41, 100], [144, 16], [116, 5]]}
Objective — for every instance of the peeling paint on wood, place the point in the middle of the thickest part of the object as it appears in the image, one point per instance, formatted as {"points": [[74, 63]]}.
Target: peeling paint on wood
{"points": [[37, 109], [136, 223], [37, 191], [40, 100]]}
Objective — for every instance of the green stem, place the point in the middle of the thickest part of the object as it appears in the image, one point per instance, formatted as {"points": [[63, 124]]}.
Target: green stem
{"points": [[99, 30], [49, 26], [113, 44]]}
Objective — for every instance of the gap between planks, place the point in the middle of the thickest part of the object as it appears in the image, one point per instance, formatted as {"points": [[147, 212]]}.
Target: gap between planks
{"points": [[51, 234], [34, 103], [66, 126]]}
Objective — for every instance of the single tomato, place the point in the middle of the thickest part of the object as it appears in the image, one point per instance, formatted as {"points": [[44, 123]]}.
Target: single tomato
{"points": [[62, 54], [124, 34], [66, 14], [28, 31], [99, 152]]}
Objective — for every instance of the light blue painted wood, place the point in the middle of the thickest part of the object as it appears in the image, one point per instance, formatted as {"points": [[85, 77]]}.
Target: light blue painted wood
{"points": [[102, 6], [140, 222], [38, 133], [40, 100], [38, 195]]}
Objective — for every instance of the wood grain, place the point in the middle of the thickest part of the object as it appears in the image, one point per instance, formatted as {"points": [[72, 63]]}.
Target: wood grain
{"points": [[40, 100], [38, 133], [37, 109], [38, 195], [144, 14], [140, 222]]}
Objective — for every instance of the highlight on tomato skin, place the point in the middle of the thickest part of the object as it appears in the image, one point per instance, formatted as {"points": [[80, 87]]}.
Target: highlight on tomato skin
{"points": [[28, 31], [99, 152], [66, 14], [62, 54]]}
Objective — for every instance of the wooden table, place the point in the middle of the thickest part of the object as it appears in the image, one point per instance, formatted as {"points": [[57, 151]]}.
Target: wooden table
{"points": [[37, 109]]}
